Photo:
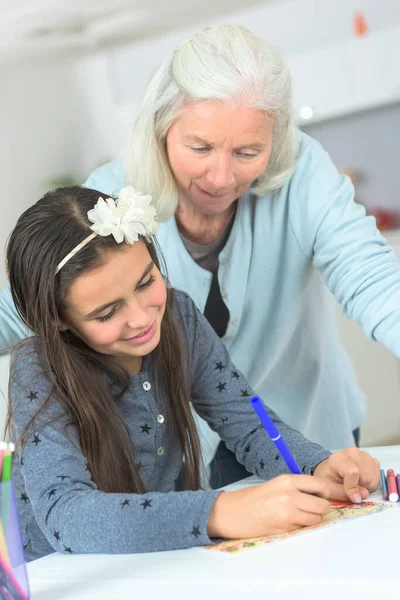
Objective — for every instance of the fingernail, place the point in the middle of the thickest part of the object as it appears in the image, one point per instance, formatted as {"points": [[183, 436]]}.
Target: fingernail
{"points": [[357, 498]]}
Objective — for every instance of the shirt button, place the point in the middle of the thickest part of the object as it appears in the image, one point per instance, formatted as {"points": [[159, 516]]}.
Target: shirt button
{"points": [[160, 451], [223, 261], [224, 293], [160, 418], [146, 386], [234, 321]]}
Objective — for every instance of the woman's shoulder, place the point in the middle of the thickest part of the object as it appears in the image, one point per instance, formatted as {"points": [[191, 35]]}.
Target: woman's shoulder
{"points": [[107, 179], [312, 158]]}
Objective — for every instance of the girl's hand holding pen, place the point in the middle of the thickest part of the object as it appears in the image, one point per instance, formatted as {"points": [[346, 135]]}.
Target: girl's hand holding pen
{"points": [[357, 471], [285, 503], [288, 502]]}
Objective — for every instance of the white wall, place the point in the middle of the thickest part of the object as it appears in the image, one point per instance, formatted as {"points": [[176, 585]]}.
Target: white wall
{"points": [[295, 26], [55, 118]]}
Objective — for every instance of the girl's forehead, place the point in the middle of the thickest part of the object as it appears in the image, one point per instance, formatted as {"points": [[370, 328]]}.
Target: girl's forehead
{"points": [[119, 270]]}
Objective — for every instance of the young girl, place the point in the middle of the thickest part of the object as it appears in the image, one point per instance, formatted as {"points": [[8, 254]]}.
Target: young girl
{"points": [[100, 398]]}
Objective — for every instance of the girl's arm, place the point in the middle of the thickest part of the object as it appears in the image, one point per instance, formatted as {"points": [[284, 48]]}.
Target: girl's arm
{"points": [[68, 507], [221, 395]]}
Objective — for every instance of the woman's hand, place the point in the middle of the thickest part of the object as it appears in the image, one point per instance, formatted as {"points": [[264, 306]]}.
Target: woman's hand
{"points": [[356, 470], [285, 503]]}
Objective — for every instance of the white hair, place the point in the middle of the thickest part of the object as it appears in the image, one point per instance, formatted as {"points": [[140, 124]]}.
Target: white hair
{"points": [[225, 62]]}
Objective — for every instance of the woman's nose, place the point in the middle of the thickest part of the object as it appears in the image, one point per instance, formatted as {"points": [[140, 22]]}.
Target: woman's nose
{"points": [[220, 173]]}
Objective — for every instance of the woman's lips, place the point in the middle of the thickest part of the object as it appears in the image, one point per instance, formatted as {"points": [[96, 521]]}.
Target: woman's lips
{"points": [[210, 194], [145, 336]]}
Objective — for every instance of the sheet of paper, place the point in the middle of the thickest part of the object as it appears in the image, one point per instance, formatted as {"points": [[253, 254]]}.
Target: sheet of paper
{"points": [[340, 511]]}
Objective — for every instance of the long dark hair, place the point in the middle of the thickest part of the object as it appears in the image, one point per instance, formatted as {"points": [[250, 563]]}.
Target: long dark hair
{"points": [[85, 382]]}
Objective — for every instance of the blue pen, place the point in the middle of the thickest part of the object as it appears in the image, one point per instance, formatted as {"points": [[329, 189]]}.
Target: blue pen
{"points": [[274, 434], [384, 488]]}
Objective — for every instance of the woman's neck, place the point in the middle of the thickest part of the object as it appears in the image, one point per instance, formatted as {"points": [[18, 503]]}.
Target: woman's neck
{"points": [[199, 228]]}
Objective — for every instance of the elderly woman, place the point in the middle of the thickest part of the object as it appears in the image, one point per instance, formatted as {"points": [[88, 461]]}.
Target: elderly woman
{"points": [[259, 227]]}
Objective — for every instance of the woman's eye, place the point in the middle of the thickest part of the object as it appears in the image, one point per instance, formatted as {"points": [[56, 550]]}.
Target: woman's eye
{"points": [[200, 150], [107, 316], [147, 283], [247, 154]]}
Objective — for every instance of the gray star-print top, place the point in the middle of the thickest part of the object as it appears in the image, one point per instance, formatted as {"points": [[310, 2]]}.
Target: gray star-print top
{"points": [[60, 506]]}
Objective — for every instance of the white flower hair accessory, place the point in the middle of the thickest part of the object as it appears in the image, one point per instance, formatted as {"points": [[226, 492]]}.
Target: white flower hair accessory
{"points": [[127, 217]]}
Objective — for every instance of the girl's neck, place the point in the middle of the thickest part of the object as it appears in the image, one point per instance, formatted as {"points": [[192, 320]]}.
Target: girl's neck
{"points": [[133, 364], [200, 228]]}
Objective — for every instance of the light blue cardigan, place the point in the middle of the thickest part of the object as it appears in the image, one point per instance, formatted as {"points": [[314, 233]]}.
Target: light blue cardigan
{"points": [[282, 331]]}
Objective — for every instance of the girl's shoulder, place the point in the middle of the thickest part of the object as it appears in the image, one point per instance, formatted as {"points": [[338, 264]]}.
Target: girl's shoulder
{"points": [[28, 360], [183, 306], [185, 311]]}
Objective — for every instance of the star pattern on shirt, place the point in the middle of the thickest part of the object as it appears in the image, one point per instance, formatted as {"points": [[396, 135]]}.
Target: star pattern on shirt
{"points": [[32, 395], [24, 497], [146, 504], [235, 375], [277, 457], [51, 493], [56, 534], [219, 366], [126, 502], [247, 449], [67, 549], [224, 420], [36, 439], [22, 461], [86, 466], [244, 393], [145, 428], [221, 386], [196, 531], [262, 465]]}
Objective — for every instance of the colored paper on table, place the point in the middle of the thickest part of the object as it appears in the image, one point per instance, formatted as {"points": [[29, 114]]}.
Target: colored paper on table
{"points": [[340, 511], [13, 575]]}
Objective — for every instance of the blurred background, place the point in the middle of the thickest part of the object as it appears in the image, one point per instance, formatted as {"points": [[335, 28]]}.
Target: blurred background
{"points": [[72, 73]]}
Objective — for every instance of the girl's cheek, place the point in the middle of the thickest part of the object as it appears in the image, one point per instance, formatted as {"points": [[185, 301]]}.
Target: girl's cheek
{"points": [[106, 333]]}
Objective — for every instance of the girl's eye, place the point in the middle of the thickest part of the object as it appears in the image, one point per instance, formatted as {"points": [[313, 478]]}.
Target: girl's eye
{"points": [[147, 283], [108, 315]]}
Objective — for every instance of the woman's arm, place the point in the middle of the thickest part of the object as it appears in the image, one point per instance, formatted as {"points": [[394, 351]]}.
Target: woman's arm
{"points": [[357, 264], [12, 329]]}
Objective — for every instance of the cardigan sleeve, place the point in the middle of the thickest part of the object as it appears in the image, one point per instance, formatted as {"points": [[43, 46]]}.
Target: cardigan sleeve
{"points": [[12, 329], [357, 264]]}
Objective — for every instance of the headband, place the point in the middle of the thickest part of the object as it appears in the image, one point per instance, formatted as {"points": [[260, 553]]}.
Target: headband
{"points": [[126, 217]]}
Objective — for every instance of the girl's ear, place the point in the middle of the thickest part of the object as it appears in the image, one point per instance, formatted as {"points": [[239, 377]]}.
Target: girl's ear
{"points": [[61, 326]]}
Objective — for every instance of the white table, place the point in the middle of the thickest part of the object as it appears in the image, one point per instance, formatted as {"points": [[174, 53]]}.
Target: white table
{"points": [[355, 559]]}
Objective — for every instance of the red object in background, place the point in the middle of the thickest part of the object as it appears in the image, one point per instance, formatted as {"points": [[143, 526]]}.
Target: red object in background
{"points": [[360, 26], [385, 218]]}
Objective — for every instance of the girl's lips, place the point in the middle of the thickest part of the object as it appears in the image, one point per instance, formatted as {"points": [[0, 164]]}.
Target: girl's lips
{"points": [[145, 336]]}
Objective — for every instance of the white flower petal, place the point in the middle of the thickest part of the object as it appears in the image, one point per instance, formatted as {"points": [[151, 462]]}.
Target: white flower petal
{"points": [[130, 216]]}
